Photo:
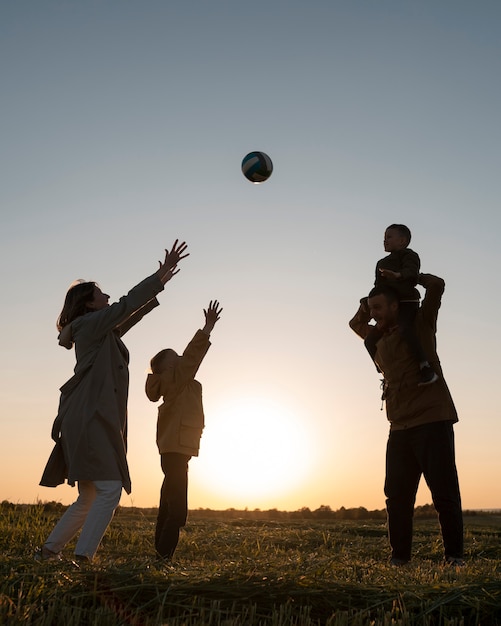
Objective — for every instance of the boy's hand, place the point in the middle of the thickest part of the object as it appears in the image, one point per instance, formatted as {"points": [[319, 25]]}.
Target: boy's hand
{"points": [[390, 274], [212, 314], [168, 268]]}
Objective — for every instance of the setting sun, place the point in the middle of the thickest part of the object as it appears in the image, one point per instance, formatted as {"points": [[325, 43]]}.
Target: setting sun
{"points": [[254, 447]]}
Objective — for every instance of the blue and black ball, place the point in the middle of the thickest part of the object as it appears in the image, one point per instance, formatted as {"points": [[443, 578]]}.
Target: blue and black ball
{"points": [[257, 167]]}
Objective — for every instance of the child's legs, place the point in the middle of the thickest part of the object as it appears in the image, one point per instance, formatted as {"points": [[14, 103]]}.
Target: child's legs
{"points": [[73, 519], [101, 513], [406, 316], [173, 509]]}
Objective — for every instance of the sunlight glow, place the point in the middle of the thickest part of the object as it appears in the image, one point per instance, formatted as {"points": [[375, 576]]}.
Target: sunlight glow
{"points": [[253, 447]]}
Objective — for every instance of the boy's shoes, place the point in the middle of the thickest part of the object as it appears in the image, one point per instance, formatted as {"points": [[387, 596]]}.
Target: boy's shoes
{"points": [[428, 376]]}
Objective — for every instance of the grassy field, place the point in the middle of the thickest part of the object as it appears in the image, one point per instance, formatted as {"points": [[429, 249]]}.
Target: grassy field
{"points": [[231, 572]]}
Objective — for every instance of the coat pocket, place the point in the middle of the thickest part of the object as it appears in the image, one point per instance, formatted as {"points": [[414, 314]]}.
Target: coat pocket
{"points": [[190, 437]]}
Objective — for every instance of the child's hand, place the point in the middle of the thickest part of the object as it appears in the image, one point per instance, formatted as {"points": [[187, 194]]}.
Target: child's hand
{"points": [[390, 274], [212, 314]]}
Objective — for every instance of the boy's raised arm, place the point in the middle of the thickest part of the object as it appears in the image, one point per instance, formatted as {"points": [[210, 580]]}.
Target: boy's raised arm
{"points": [[212, 314]]}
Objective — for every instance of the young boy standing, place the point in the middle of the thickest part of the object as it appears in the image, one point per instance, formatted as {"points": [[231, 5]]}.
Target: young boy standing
{"points": [[179, 427], [400, 271]]}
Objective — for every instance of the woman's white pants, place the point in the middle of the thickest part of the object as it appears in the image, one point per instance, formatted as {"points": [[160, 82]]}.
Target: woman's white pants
{"points": [[92, 512]]}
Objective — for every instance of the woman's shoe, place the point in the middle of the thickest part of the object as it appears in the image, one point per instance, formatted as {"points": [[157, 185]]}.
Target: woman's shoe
{"points": [[44, 554]]}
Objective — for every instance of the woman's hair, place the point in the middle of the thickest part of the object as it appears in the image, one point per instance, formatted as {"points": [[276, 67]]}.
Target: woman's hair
{"points": [[75, 303]]}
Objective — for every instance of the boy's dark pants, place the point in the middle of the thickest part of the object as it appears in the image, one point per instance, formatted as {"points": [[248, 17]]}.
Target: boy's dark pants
{"points": [[423, 450], [173, 509], [406, 315]]}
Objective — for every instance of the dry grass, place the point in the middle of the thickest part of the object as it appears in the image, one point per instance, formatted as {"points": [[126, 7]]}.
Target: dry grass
{"points": [[236, 572]]}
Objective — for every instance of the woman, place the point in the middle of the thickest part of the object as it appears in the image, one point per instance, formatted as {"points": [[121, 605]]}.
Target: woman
{"points": [[90, 429]]}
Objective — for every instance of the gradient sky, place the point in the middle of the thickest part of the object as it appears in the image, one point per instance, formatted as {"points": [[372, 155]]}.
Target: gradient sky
{"points": [[123, 125]]}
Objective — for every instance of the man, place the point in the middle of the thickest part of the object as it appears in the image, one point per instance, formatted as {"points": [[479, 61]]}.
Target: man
{"points": [[421, 438]]}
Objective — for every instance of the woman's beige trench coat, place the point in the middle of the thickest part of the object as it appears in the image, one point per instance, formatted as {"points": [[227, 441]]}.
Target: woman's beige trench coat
{"points": [[90, 429]]}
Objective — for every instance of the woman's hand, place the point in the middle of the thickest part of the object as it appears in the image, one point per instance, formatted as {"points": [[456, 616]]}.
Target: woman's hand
{"points": [[168, 268]]}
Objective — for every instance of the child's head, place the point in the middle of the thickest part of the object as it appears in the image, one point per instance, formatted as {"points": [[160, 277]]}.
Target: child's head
{"points": [[163, 360], [396, 237]]}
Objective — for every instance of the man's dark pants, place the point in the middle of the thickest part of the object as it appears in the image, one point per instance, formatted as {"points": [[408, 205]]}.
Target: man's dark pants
{"points": [[173, 509], [426, 450]]}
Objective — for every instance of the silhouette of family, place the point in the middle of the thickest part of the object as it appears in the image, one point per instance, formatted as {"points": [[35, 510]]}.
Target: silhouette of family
{"points": [[90, 429]]}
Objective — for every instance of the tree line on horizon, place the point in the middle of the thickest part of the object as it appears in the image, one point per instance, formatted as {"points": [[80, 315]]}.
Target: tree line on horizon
{"points": [[323, 512]]}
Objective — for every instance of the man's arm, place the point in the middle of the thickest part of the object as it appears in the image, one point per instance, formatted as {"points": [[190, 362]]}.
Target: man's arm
{"points": [[359, 323], [435, 287]]}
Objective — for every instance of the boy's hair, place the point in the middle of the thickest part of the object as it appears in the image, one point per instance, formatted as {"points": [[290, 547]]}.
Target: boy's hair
{"points": [[75, 303], [403, 230], [157, 360], [389, 293]]}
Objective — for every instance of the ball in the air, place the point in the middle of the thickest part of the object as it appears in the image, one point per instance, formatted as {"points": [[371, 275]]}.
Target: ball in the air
{"points": [[257, 167]]}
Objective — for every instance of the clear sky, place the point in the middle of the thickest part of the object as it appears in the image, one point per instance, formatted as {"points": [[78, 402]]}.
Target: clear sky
{"points": [[123, 125]]}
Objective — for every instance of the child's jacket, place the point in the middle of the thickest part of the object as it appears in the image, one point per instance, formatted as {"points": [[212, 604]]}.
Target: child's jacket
{"points": [[406, 262], [180, 416]]}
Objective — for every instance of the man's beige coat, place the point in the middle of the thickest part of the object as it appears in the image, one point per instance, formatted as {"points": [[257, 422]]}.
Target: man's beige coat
{"points": [[408, 404]]}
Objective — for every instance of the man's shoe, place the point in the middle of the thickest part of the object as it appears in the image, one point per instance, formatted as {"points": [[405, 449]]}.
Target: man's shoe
{"points": [[454, 561], [396, 562], [428, 376]]}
